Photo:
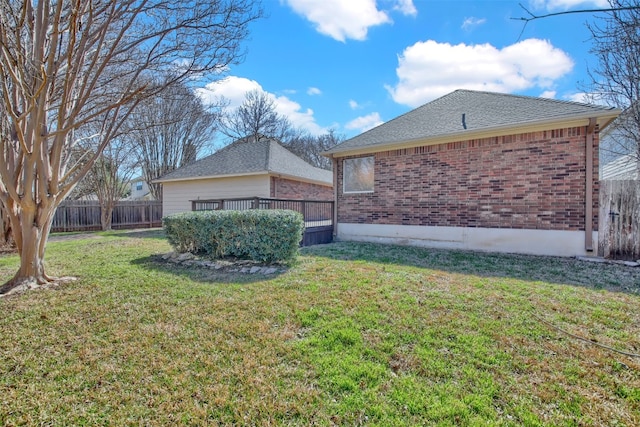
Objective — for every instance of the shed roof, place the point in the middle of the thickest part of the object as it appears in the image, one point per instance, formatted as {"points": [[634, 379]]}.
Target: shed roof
{"points": [[466, 114], [250, 157]]}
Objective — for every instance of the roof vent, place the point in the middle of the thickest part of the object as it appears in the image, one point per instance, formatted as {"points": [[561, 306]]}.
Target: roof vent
{"points": [[464, 122]]}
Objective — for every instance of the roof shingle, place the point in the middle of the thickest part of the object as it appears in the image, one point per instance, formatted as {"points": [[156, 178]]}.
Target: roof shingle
{"points": [[466, 111], [246, 156]]}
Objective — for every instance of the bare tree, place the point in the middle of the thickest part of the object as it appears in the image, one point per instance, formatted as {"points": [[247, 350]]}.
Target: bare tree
{"points": [[109, 178], [255, 118], [168, 131], [63, 63], [6, 235], [616, 77], [615, 6], [310, 147]]}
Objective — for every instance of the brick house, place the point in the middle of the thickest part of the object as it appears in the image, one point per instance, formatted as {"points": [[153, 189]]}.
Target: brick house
{"points": [[246, 168], [475, 170]]}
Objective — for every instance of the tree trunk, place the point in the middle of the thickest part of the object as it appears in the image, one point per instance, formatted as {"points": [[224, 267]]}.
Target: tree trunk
{"points": [[106, 211], [31, 238], [7, 235]]}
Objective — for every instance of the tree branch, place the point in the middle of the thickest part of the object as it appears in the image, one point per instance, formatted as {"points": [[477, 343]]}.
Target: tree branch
{"points": [[533, 16], [567, 12]]}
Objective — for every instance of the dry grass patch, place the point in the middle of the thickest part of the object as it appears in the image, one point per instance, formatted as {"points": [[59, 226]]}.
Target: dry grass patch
{"points": [[351, 334]]}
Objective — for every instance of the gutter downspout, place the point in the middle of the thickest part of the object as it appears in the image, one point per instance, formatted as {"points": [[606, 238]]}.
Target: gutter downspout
{"points": [[334, 162], [588, 224]]}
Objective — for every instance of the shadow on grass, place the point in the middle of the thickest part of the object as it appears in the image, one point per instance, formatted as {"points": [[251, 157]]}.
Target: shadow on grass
{"points": [[151, 233], [558, 270], [202, 274]]}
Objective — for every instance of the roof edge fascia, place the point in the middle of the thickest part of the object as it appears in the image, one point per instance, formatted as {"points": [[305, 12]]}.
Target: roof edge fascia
{"points": [[603, 121], [301, 179], [196, 178]]}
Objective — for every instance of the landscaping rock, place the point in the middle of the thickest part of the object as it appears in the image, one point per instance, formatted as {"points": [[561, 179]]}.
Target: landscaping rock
{"points": [[185, 256], [243, 266], [609, 261]]}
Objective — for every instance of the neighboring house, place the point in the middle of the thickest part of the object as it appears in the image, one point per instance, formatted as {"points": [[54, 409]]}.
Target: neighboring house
{"points": [[245, 168], [618, 149], [476, 170], [622, 168], [139, 189]]}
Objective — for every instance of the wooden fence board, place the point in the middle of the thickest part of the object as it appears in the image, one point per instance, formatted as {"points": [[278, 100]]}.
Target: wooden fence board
{"points": [[85, 215], [619, 226]]}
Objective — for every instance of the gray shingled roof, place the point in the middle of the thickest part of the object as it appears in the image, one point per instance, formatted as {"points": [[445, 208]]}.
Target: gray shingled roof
{"points": [[251, 157], [482, 111]]}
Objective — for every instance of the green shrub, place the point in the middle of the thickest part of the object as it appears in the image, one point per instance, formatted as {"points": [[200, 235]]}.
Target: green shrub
{"points": [[261, 235]]}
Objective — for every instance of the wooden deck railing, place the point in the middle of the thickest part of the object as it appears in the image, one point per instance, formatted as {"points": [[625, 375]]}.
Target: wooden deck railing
{"points": [[317, 214]]}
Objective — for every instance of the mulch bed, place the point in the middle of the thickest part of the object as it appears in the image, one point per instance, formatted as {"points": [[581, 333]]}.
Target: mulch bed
{"points": [[6, 248]]}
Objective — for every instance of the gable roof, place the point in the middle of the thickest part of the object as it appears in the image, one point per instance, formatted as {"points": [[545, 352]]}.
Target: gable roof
{"points": [[249, 157], [467, 114]]}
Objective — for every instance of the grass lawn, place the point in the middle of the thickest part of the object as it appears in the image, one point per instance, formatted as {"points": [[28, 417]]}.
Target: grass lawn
{"points": [[352, 334]]}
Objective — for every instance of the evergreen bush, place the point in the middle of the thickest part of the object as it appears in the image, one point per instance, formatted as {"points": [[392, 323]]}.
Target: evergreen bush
{"points": [[260, 235]]}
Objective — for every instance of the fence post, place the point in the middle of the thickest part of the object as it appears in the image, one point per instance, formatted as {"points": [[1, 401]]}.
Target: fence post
{"points": [[64, 216]]}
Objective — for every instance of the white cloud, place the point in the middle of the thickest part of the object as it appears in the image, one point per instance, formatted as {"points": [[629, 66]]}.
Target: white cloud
{"points": [[585, 98], [567, 4], [297, 116], [551, 94], [314, 91], [364, 123], [233, 89], [427, 70], [341, 19], [406, 7], [353, 104], [470, 23]]}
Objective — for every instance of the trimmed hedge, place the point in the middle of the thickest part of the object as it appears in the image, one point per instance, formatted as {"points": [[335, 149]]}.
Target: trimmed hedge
{"points": [[261, 235]]}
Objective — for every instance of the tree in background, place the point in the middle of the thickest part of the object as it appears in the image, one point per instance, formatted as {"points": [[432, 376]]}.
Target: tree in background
{"points": [[257, 118], [64, 63], [6, 236], [169, 131], [310, 147], [108, 178], [616, 77]]}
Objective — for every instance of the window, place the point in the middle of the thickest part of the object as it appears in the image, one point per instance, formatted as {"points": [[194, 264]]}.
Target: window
{"points": [[357, 175], [139, 186]]}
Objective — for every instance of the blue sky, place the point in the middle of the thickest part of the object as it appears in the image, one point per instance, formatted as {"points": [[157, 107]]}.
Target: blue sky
{"points": [[349, 65]]}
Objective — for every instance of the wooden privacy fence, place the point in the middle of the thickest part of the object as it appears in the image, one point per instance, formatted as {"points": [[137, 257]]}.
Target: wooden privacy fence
{"points": [[85, 215], [619, 224], [318, 214]]}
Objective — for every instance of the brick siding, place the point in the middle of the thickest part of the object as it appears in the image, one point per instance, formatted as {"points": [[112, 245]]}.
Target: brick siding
{"points": [[282, 188], [526, 181]]}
